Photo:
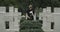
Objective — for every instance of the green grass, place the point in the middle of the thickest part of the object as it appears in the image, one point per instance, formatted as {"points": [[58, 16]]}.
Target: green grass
{"points": [[30, 26]]}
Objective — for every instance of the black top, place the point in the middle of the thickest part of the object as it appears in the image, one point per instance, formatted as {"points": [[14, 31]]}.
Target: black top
{"points": [[30, 14]]}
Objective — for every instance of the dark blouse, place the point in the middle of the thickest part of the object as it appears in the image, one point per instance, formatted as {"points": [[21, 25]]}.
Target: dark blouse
{"points": [[28, 12]]}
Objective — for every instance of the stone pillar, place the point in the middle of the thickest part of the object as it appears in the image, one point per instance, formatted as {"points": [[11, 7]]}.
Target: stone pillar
{"points": [[44, 27], [17, 17], [48, 9], [11, 9], [16, 23], [2, 23], [16, 10], [2, 9], [47, 19]]}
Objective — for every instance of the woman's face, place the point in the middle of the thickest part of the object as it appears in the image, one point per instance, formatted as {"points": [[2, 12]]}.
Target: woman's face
{"points": [[30, 7]]}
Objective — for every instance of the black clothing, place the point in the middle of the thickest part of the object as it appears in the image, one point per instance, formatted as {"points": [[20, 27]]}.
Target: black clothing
{"points": [[30, 14]]}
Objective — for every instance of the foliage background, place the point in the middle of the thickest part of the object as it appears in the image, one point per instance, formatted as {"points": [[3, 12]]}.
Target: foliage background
{"points": [[24, 3]]}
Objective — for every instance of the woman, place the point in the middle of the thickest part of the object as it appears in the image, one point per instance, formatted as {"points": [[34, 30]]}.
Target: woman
{"points": [[30, 12]]}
